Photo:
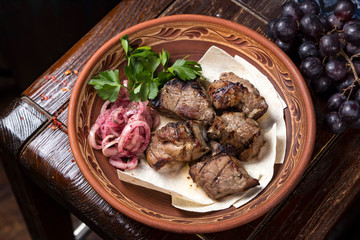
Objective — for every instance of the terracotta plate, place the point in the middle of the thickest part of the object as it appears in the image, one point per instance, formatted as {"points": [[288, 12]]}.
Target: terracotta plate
{"points": [[192, 35]]}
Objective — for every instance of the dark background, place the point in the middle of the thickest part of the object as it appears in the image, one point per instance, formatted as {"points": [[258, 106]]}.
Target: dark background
{"points": [[34, 34]]}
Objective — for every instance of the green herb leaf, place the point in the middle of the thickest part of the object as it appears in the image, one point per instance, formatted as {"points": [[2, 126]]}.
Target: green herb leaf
{"points": [[185, 70], [153, 90], [125, 44], [164, 58], [137, 89], [151, 62], [164, 77], [144, 80], [107, 84]]}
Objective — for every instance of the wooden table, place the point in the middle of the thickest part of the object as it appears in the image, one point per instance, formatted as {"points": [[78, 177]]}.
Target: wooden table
{"points": [[48, 184]]}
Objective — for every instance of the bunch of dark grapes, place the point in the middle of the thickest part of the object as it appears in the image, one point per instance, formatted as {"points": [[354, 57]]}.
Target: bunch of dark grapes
{"points": [[328, 52]]}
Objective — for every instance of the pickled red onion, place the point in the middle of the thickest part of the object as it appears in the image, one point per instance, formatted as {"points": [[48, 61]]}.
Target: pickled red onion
{"points": [[122, 130]]}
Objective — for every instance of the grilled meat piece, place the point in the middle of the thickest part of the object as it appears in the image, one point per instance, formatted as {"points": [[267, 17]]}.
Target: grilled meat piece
{"points": [[221, 174], [217, 149], [243, 133], [233, 92], [185, 100], [175, 144]]}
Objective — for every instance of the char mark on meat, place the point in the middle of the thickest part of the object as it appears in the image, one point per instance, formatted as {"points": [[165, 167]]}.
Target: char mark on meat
{"points": [[220, 174], [175, 144], [184, 100], [239, 131], [233, 92]]}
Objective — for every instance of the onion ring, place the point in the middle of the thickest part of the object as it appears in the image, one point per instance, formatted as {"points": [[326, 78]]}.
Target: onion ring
{"points": [[123, 130]]}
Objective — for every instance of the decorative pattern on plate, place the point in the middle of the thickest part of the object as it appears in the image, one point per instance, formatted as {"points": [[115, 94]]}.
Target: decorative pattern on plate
{"points": [[174, 33], [196, 32], [110, 61], [199, 35]]}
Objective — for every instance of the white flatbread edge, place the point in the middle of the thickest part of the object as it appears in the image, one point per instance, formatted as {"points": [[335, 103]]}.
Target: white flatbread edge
{"points": [[192, 197], [215, 59], [186, 195], [262, 169]]}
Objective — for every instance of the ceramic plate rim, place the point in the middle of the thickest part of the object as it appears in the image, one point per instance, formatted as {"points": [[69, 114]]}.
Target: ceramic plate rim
{"points": [[195, 228]]}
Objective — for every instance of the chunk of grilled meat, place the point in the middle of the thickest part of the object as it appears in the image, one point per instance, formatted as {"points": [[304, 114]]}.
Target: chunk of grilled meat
{"points": [[185, 100], [217, 149], [175, 144], [221, 174], [233, 92], [243, 133]]}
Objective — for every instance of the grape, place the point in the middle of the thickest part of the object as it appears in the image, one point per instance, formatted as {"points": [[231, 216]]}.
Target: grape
{"points": [[351, 21], [306, 38], [310, 24], [320, 42], [285, 29], [334, 22], [357, 66], [308, 49], [352, 33], [335, 69], [342, 41], [352, 49], [311, 67], [292, 10], [335, 101], [309, 6], [325, 26], [344, 83], [344, 9], [349, 111], [334, 122], [329, 45], [285, 46], [321, 85], [270, 29], [357, 96]]}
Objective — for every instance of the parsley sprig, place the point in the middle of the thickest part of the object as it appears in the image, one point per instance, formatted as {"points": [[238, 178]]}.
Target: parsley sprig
{"points": [[144, 77]]}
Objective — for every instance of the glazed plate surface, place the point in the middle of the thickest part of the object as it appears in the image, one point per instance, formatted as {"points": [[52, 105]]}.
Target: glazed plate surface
{"points": [[193, 35]]}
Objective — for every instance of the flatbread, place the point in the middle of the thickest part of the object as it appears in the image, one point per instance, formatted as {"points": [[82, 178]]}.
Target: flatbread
{"points": [[215, 61], [185, 194], [261, 169]]}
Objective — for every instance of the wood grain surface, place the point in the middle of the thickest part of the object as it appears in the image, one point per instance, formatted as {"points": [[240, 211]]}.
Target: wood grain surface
{"points": [[47, 91], [263, 9], [33, 142], [19, 123], [324, 193]]}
